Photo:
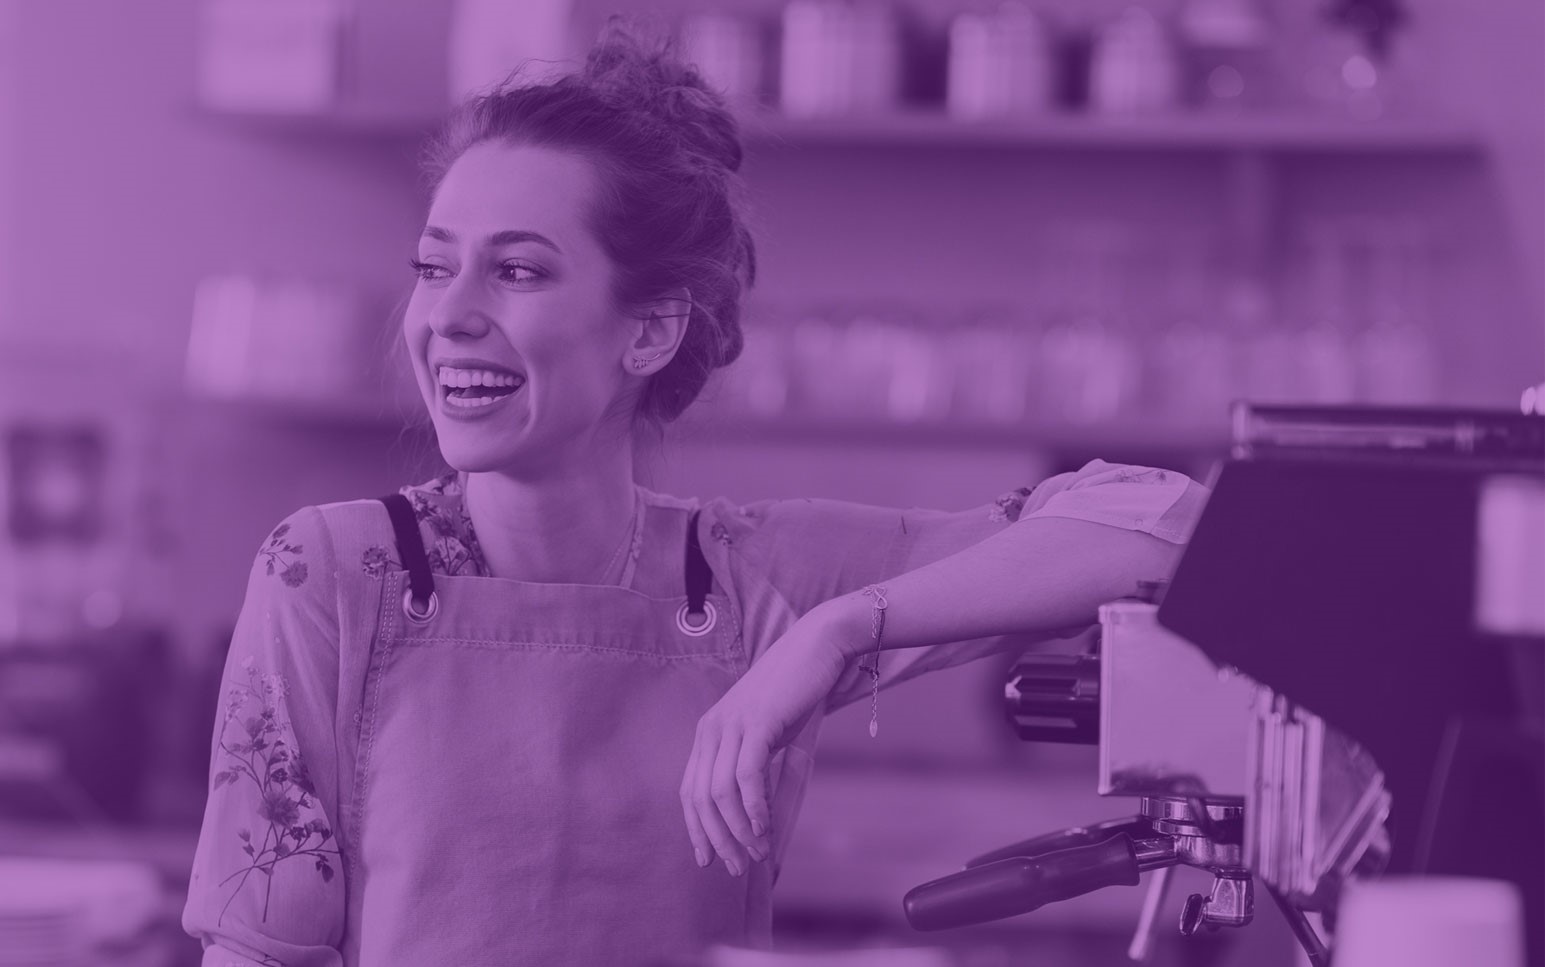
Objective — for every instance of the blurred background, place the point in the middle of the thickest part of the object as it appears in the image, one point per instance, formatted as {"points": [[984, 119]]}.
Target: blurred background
{"points": [[996, 241]]}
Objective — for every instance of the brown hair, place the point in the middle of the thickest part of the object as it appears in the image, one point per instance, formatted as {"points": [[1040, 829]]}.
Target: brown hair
{"points": [[671, 209]]}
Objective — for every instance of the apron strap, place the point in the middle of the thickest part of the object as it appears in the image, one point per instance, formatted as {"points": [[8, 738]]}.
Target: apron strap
{"points": [[699, 574], [410, 545]]}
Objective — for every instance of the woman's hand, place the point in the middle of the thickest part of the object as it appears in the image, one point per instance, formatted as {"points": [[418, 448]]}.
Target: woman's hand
{"points": [[724, 789]]}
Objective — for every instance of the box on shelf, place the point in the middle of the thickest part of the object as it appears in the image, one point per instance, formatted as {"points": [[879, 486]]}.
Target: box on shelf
{"points": [[271, 55], [304, 344], [491, 38]]}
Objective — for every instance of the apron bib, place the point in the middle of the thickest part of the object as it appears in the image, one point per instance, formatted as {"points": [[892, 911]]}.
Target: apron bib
{"points": [[521, 749]]}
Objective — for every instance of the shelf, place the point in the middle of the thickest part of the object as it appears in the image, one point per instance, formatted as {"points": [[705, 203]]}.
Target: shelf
{"points": [[1285, 133], [1133, 435], [381, 414], [362, 120], [771, 131]]}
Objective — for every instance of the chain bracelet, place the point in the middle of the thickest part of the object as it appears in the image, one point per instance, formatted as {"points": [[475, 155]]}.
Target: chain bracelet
{"points": [[878, 628]]}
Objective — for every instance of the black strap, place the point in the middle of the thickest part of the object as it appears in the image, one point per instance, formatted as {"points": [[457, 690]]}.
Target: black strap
{"points": [[699, 575], [410, 545]]}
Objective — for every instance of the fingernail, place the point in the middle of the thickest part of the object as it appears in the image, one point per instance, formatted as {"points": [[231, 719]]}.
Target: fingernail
{"points": [[733, 867], [701, 859], [757, 852], [756, 827]]}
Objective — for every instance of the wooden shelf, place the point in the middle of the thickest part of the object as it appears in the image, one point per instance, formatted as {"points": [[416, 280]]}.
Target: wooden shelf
{"points": [[362, 120], [772, 131], [1134, 435], [379, 413], [1181, 132]]}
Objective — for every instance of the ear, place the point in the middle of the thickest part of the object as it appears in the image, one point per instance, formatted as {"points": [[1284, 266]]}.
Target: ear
{"points": [[662, 324]]}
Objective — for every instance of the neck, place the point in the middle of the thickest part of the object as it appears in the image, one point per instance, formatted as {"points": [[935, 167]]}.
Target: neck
{"points": [[562, 529]]}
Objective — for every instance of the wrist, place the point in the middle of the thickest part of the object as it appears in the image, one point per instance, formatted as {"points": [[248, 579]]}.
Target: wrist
{"points": [[846, 622]]}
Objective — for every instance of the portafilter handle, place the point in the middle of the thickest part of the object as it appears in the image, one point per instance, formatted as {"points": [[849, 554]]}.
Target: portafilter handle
{"points": [[1135, 827], [1020, 884]]}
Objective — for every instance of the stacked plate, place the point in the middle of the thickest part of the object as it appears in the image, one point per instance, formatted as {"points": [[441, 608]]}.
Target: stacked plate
{"points": [[58, 913]]}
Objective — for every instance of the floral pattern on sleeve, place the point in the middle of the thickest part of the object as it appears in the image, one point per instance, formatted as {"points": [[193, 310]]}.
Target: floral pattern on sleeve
{"points": [[258, 746], [284, 558], [1009, 506]]}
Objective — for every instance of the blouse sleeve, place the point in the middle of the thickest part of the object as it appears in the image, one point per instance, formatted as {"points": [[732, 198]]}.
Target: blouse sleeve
{"points": [[267, 885], [814, 550]]}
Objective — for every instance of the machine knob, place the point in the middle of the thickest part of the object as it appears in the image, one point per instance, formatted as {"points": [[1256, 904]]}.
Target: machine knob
{"points": [[1231, 904], [1055, 698], [1191, 914]]}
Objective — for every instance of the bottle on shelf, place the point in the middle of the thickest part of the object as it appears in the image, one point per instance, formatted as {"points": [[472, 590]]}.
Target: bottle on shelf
{"points": [[1268, 358], [992, 358], [1089, 369], [729, 50], [1191, 366], [1227, 55], [757, 385], [1393, 351], [272, 55], [1134, 66], [839, 58], [299, 343], [491, 38], [872, 357], [1001, 64], [921, 378], [1324, 315]]}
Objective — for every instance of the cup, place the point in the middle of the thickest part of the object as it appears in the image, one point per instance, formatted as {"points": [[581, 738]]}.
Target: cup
{"points": [[1430, 921]]}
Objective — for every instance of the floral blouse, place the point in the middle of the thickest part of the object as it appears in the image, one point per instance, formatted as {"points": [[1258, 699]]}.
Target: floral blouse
{"points": [[269, 877]]}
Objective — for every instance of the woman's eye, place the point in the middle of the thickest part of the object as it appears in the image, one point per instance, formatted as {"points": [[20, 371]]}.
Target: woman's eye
{"points": [[517, 272], [508, 270], [423, 270]]}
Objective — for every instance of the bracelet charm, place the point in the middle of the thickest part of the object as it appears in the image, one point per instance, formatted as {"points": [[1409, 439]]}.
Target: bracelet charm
{"points": [[877, 629]]}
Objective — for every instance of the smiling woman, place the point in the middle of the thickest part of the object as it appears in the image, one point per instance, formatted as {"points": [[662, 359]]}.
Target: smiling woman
{"points": [[659, 197], [516, 714]]}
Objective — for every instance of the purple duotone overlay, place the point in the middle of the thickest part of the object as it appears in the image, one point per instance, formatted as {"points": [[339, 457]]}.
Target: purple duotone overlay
{"points": [[1207, 242]]}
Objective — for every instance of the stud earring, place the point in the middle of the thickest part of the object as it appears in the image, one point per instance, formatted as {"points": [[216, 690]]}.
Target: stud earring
{"points": [[639, 362]]}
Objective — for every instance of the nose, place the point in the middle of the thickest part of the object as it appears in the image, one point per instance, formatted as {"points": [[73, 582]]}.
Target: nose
{"points": [[458, 310]]}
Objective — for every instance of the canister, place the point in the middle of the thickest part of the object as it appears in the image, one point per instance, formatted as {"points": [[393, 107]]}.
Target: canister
{"points": [[1000, 64]]}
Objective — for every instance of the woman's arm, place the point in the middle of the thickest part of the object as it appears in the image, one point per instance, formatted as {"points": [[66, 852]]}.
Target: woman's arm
{"points": [[1040, 576], [1087, 539], [267, 884]]}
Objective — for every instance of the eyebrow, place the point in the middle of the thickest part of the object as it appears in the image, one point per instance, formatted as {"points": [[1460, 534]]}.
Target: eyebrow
{"points": [[509, 236]]}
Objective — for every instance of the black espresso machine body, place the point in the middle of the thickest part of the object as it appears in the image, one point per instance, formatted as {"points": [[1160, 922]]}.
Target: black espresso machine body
{"points": [[1343, 560], [1340, 591]]}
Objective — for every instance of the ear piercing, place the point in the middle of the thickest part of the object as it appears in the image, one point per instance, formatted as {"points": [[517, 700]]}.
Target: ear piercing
{"points": [[639, 362]]}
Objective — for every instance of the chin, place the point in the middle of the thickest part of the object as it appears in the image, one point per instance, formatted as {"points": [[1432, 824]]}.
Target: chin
{"points": [[468, 456]]}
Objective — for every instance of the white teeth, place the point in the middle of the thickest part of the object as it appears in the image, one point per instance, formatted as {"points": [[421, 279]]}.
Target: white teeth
{"points": [[464, 378], [472, 402]]}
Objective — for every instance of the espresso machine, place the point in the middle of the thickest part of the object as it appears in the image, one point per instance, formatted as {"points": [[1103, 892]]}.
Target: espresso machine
{"points": [[1342, 678]]}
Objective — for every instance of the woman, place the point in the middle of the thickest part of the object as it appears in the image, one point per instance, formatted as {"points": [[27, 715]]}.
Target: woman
{"points": [[535, 713]]}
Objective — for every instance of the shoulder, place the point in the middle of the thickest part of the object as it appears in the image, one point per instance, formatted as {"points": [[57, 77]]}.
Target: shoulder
{"points": [[788, 537], [309, 544]]}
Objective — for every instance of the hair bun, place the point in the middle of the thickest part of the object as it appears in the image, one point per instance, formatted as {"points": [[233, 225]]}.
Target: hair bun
{"points": [[654, 80]]}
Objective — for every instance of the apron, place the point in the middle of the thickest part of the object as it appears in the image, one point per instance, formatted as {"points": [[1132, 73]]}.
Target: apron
{"points": [[521, 748]]}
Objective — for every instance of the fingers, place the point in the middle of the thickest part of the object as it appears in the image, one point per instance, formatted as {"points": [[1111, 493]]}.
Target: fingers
{"points": [[730, 776], [702, 849], [755, 752], [724, 842]]}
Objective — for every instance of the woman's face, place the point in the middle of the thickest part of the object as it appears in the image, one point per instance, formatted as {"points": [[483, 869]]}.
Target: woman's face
{"points": [[517, 348]]}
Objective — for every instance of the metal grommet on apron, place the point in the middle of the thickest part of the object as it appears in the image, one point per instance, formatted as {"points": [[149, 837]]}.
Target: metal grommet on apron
{"points": [[697, 616], [419, 602]]}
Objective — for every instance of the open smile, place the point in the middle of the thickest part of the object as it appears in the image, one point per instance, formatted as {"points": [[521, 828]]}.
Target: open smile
{"points": [[468, 392]]}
